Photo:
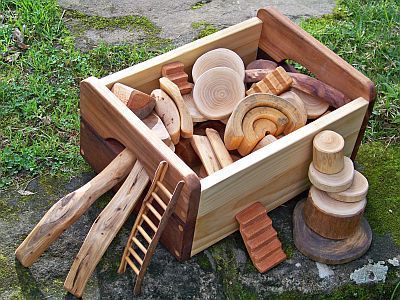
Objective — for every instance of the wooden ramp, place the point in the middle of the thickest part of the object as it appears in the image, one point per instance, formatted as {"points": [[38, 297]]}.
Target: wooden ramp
{"points": [[149, 225], [260, 237]]}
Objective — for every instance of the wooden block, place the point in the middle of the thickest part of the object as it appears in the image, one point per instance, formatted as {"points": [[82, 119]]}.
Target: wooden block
{"points": [[255, 75], [315, 106], [356, 192], [172, 68], [186, 88], [186, 152], [325, 250], [268, 139], [200, 128], [175, 72], [328, 152], [217, 144], [194, 112], [262, 64], [203, 149], [338, 182], [154, 122], [297, 102], [276, 82]]}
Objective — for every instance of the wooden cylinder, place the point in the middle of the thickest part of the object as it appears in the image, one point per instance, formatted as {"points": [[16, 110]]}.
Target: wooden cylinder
{"points": [[328, 152], [356, 192], [331, 218]]}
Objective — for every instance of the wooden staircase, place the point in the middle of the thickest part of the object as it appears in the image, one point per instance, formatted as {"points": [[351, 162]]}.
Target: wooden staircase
{"points": [[260, 237], [149, 225]]}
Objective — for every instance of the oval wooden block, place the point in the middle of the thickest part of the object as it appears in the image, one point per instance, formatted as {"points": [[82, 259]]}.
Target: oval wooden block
{"points": [[315, 106], [331, 218], [217, 91], [325, 250], [328, 153], [338, 182], [194, 112], [262, 64], [356, 192], [220, 57]]}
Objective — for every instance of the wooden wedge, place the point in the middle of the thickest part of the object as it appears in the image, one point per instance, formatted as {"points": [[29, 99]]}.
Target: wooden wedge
{"points": [[217, 144], [203, 149], [268, 139]]}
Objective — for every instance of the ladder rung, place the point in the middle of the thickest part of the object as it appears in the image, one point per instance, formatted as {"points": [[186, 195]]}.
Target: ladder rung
{"points": [[159, 201], [153, 210], [144, 233], [140, 245], [136, 256], [134, 268], [164, 189], [148, 221]]}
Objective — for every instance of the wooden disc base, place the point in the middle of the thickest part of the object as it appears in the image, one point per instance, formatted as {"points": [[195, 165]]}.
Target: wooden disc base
{"points": [[326, 250]]}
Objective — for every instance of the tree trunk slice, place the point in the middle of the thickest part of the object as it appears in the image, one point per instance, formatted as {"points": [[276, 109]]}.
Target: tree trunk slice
{"points": [[173, 91], [203, 149], [186, 152], [315, 106], [276, 82], [338, 182], [223, 156], [194, 112], [317, 88], [262, 64], [157, 127], [220, 57], [217, 91], [331, 218], [356, 192], [234, 132], [325, 250], [328, 152], [256, 75], [169, 114], [264, 142], [296, 101]]}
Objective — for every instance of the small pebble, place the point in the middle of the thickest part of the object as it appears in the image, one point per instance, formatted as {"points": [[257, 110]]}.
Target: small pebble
{"points": [[394, 262], [298, 265]]}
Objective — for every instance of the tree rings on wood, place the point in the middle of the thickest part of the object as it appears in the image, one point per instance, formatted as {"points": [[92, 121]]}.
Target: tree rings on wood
{"points": [[356, 192], [315, 106], [328, 152]]}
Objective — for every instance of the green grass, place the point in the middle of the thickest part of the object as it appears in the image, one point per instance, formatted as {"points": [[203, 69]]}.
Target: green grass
{"points": [[204, 29]]}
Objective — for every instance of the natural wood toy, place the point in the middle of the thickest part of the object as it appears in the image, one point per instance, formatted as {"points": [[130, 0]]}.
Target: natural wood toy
{"points": [[168, 112], [217, 144], [266, 140], [220, 57], [331, 218], [276, 82], [175, 72], [194, 112], [186, 152], [186, 120], [200, 128], [217, 91], [136, 254], [262, 64], [256, 75], [337, 182], [315, 106], [296, 101], [325, 250], [204, 150], [356, 192], [138, 102], [154, 122], [328, 152]]}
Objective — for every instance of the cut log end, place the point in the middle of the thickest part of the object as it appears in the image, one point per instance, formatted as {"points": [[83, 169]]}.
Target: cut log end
{"points": [[328, 152]]}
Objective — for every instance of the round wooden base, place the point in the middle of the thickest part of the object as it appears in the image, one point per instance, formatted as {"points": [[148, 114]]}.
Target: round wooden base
{"points": [[325, 250]]}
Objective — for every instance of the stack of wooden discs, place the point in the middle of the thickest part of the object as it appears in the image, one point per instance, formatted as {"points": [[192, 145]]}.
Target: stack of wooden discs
{"points": [[329, 226]]}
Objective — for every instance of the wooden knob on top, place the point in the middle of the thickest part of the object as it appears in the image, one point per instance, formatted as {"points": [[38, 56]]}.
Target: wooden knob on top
{"points": [[328, 152]]}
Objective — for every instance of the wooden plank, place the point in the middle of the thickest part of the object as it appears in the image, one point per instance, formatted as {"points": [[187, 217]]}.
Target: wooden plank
{"points": [[273, 175]]}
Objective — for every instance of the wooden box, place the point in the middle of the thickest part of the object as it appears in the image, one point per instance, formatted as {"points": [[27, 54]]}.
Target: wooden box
{"points": [[206, 210]]}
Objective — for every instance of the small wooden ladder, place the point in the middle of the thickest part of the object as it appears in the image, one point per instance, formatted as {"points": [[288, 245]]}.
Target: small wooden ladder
{"points": [[153, 216]]}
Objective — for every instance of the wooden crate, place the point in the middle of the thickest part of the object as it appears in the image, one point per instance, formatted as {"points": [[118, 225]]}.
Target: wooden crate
{"points": [[206, 211]]}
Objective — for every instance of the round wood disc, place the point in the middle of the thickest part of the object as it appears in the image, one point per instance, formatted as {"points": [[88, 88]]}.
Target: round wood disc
{"points": [[356, 192], [328, 152], [217, 91], [315, 106], [220, 57], [297, 102], [194, 112], [326, 250], [338, 182]]}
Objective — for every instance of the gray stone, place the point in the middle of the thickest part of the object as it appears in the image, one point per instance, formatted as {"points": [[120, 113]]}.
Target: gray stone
{"points": [[370, 273], [324, 271]]}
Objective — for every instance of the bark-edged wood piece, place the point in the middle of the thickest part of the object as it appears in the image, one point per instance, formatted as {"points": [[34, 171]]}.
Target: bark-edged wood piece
{"points": [[266, 140], [338, 182], [356, 192], [173, 91], [154, 122], [262, 64], [105, 228], [223, 156], [138, 102], [325, 250], [175, 72], [331, 218], [255, 75], [328, 152], [203, 149], [220, 57], [194, 112], [169, 114], [276, 82], [315, 106], [217, 91]]}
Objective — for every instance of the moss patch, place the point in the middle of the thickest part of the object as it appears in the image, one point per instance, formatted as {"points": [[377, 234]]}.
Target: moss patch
{"points": [[204, 28], [200, 4]]}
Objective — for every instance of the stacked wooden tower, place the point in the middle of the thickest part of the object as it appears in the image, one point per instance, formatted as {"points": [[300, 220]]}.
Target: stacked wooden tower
{"points": [[329, 226]]}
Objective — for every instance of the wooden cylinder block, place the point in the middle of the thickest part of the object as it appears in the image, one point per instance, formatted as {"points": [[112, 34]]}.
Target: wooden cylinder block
{"points": [[331, 218], [356, 192], [328, 152]]}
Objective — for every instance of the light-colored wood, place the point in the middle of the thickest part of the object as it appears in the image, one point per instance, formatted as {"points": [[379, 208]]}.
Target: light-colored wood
{"points": [[150, 223], [315, 106], [268, 139], [263, 127], [275, 82], [68, 209], [136, 256], [154, 122], [272, 175], [356, 192], [194, 112], [169, 114], [104, 229], [337, 182], [256, 75], [173, 91], [175, 72], [202, 147], [164, 189], [262, 64], [217, 144], [140, 245], [328, 156], [220, 57], [297, 102], [217, 91]]}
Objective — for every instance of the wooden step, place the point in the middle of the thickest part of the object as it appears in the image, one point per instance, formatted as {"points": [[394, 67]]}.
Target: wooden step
{"points": [[251, 230], [270, 261], [251, 214], [262, 239], [266, 250]]}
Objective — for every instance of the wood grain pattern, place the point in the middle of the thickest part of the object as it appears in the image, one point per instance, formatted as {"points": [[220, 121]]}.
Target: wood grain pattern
{"points": [[155, 124], [315, 107], [255, 75], [328, 157], [203, 149], [275, 82], [217, 144], [265, 141], [356, 192], [194, 112]]}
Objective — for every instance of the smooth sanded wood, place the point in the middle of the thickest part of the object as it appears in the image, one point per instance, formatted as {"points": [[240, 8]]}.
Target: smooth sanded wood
{"points": [[203, 149], [356, 192], [68, 209], [266, 140], [328, 157], [154, 123], [331, 218], [315, 106], [262, 64], [105, 228], [325, 250], [217, 91], [173, 91], [223, 156], [168, 112], [275, 82], [194, 112], [297, 102], [255, 75], [186, 152]]}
